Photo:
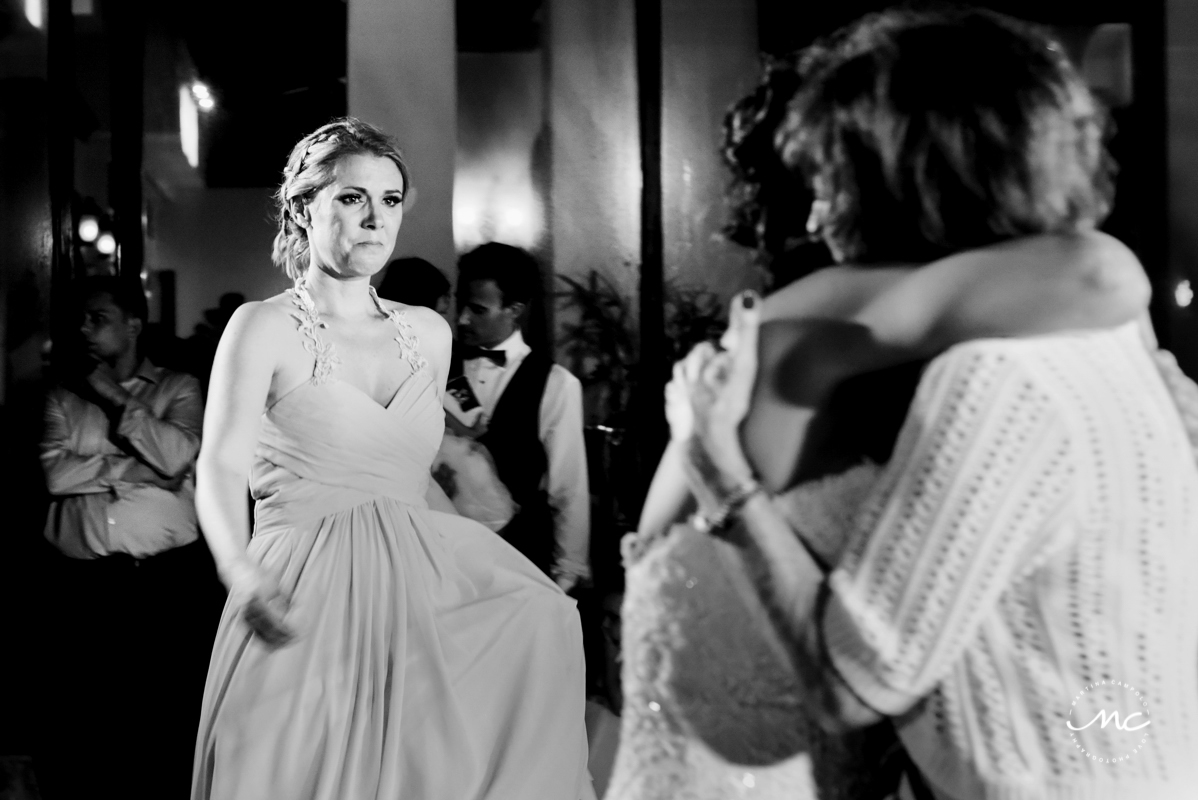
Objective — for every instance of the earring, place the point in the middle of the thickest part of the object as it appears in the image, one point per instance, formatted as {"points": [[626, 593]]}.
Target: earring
{"points": [[819, 211]]}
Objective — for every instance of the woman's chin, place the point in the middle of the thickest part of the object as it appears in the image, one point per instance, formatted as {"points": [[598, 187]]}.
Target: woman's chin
{"points": [[363, 263]]}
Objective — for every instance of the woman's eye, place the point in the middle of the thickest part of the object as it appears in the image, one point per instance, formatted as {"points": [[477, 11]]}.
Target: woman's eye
{"points": [[393, 200], [350, 199]]}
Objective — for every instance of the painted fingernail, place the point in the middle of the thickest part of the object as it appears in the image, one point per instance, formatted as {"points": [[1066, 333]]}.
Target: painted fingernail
{"points": [[748, 300]]}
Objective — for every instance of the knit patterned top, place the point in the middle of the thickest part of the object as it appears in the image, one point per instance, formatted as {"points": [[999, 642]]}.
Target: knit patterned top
{"points": [[1028, 559]]}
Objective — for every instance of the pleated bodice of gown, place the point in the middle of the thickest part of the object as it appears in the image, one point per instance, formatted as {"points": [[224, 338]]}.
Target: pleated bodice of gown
{"points": [[431, 660], [325, 448]]}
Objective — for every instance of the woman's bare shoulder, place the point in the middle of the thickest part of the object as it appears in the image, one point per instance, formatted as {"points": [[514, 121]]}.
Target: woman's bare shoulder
{"points": [[419, 316], [261, 321], [426, 323]]}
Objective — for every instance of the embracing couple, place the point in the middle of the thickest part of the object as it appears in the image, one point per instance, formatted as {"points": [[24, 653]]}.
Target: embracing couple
{"points": [[936, 498]]}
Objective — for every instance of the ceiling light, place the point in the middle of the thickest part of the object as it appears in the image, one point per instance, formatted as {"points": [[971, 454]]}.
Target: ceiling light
{"points": [[1183, 294], [89, 228], [35, 13], [189, 126], [106, 244]]}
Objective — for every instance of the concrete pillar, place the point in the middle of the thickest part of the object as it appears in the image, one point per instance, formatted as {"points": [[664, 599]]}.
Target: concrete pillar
{"points": [[709, 61], [402, 77], [594, 193]]}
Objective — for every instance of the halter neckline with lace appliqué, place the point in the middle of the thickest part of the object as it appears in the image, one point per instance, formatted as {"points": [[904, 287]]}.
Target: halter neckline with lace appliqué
{"points": [[326, 357]]}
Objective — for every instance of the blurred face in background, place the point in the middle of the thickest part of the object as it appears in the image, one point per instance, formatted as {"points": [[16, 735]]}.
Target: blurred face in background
{"points": [[444, 307], [352, 223], [483, 319], [108, 333]]}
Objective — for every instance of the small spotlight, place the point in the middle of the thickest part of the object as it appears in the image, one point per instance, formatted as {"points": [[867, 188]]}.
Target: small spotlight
{"points": [[106, 244], [200, 90], [89, 228], [206, 103], [1183, 294]]}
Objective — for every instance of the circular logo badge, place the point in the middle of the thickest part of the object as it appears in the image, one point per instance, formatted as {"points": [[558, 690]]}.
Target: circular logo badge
{"points": [[1109, 721]]}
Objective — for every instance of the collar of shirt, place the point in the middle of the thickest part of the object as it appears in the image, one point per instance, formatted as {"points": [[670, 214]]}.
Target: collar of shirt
{"points": [[147, 371], [515, 348]]}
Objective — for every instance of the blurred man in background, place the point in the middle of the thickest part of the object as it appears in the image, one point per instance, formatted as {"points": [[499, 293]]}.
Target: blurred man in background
{"points": [[136, 594], [531, 412]]}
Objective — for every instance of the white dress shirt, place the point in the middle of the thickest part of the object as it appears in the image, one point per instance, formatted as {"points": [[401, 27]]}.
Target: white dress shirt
{"points": [[560, 431], [102, 502]]}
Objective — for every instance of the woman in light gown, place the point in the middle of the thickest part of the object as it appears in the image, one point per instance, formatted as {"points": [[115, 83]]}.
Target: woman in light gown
{"points": [[713, 705], [372, 646]]}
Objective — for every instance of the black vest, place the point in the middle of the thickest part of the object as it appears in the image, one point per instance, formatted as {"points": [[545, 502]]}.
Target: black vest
{"points": [[513, 438]]}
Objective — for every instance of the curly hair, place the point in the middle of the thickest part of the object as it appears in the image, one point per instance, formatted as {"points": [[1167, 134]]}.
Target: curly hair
{"points": [[514, 270], [310, 168], [923, 132]]}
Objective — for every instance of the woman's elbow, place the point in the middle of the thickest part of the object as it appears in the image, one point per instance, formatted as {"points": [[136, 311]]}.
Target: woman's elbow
{"points": [[835, 707], [845, 715], [56, 471], [218, 466]]}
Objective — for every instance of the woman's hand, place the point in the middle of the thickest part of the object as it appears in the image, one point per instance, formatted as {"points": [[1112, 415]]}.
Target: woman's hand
{"points": [[709, 397], [260, 600], [459, 428], [106, 387]]}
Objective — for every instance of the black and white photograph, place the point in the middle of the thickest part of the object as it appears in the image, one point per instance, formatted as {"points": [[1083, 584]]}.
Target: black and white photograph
{"points": [[599, 400]]}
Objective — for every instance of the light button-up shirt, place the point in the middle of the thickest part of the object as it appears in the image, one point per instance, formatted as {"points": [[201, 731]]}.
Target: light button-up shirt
{"points": [[125, 485]]}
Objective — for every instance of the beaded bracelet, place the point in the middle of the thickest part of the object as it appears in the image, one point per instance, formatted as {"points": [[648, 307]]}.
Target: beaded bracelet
{"points": [[734, 502]]}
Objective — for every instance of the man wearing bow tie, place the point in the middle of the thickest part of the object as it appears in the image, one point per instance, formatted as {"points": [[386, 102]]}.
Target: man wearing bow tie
{"points": [[530, 416]]}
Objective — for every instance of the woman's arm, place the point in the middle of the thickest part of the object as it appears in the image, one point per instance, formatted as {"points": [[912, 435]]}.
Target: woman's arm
{"points": [[242, 372], [708, 397], [669, 499], [1039, 284], [1025, 287]]}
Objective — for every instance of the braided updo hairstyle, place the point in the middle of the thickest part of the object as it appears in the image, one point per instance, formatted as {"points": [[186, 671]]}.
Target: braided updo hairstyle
{"points": [[310, 168]]}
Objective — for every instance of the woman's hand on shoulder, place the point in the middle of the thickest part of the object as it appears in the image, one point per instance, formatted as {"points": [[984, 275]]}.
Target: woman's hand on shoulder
{"points": [[708, 399]]}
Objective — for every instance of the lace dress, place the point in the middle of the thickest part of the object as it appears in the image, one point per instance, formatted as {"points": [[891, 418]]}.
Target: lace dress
{"points": [[711, 710], [432, 660]]}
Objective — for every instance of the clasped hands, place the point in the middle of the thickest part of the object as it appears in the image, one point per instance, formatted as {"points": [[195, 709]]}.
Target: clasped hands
{"points": [[459, 428], [708, 399]]}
